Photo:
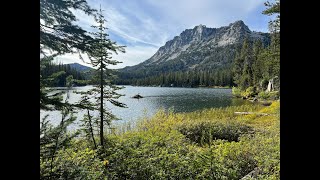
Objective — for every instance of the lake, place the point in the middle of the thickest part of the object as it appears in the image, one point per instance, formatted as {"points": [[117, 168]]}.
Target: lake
{"points": [[155, 98]]}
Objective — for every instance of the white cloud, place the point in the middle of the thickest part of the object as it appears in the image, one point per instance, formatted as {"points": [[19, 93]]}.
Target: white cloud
{"points": [[212, 13], [132, 56], [72, 58], [142, 31], [145, 25]]}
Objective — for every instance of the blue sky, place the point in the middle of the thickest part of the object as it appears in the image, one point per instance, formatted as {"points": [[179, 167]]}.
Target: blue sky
{"points": [[145, 25]]}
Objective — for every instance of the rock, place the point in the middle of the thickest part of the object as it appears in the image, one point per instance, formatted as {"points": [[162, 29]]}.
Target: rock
{"points": [[138, 96], [253, 174]]}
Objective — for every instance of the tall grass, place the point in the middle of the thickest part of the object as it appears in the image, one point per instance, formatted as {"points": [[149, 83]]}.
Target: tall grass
{"points": [[207, 144]]}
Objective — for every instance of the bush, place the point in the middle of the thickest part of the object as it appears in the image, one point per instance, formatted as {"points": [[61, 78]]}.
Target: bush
{"points": [[208, 144], [249, 92], [76, 162], [150, 155], [236, 91], [263, 95], [236, 159], [273, 95], [266, 150], [205, 132]]}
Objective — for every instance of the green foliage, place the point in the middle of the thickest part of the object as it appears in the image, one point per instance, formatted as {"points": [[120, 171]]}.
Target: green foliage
{"points": [[101, 48], [88, 124], [217, 77], [58, 32], [161, 147], [212, 67], [207, 131], [165, 146], [147, 155], [55, 75], [216, 159], [274, 95], [59, 35], [273, 8], [236, 91], [263, 95], [255, 67], [53, 139], [249, 92], [78, 162], [255, 64]]}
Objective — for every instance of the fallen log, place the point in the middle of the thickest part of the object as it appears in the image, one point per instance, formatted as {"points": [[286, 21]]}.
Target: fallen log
{"points": [[246, 113], [253, 174], [138, 96]]}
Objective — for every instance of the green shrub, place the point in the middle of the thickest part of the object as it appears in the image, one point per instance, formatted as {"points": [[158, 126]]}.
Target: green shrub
{"points": [[249, 92], [235, 158], [266, 150], [76, 162], [263, 95], [205, 132], [273, 95], [208, 144], [236, 91], [150, 155]]}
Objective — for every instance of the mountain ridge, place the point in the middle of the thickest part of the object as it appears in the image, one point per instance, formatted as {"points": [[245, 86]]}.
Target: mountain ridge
{"points": [[199, 48], [79, 67]]}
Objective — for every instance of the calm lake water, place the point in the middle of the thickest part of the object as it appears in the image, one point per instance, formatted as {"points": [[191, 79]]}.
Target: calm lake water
{"points": [[155, 98]]}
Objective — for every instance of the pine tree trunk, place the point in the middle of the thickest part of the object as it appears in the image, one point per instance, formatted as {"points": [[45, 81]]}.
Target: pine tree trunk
{"points": [[91, 130], [56, 144], [101, 106]]}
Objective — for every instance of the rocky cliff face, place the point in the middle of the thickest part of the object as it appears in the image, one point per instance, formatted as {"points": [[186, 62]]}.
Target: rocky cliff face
{"points": [[201, 47]]}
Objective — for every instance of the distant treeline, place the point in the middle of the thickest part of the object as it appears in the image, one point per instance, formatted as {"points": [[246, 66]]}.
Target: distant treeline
{"points": [[253, 66], [59, 73], [221, 77]]}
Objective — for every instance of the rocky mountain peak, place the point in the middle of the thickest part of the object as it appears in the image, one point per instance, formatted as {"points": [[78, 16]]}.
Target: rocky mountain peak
{"points": [[186, 48], [239, 26], [200, 32], [199, 28]]}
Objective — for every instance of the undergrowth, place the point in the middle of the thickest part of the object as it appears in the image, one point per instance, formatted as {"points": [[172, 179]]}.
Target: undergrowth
{"points": [[208, 144]]}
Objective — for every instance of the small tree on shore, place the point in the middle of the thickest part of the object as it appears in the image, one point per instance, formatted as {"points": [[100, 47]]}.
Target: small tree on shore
{"points": [[100, 57]]}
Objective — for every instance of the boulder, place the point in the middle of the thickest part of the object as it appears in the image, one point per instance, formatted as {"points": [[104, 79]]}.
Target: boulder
{"points": [[138, 96]]}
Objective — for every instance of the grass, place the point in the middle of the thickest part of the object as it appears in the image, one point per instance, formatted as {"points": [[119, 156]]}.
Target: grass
{"points": [[207, 144]]}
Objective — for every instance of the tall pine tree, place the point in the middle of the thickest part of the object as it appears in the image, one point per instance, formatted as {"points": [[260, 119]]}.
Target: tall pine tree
{"points": [[257, 64], [59, 35], [100, 57], [273, 56], [246, 54]]}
